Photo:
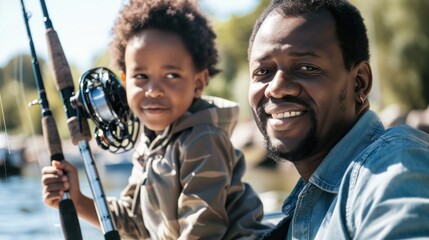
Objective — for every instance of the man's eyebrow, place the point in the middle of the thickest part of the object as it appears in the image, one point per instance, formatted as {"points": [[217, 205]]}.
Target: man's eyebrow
{"points": [[303, 54], [290, 53]]}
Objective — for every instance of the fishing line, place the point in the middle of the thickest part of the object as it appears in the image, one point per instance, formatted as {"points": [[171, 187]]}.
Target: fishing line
{"points": [[34, 146], [4, 124], [6, 134]]}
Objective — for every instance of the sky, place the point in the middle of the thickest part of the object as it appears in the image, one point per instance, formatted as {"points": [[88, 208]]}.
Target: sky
{"points": [[82, 26]]}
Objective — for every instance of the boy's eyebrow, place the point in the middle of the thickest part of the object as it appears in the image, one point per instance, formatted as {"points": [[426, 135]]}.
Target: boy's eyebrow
{"points": [[172, 67], [137, 68], [168, 67]]}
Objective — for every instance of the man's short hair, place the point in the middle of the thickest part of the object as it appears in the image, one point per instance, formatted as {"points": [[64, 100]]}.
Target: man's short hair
{"points": [[350, 28]]}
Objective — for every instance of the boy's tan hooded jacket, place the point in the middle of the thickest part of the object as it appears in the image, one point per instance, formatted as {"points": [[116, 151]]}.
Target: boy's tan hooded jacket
{"points": [[186, 183]]}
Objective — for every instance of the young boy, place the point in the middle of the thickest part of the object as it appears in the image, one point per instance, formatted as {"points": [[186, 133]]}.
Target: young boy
{"points": [[186, 179]]}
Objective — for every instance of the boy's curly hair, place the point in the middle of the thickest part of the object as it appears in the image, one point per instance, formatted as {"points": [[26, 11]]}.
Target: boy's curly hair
{"points": [[178, 16]]}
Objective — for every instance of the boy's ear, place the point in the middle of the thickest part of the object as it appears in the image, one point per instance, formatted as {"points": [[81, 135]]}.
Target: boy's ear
{"points": [[122, 77], [201, 82]]}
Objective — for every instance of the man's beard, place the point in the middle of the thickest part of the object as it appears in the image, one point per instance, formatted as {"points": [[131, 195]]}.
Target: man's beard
{"points": [[278, 153]]}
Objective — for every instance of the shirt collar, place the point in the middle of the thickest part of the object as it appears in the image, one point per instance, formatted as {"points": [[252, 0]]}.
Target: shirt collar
{"points": [[330, 172]]}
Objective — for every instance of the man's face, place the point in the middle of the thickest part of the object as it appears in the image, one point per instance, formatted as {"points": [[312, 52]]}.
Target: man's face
{"points": [[301, 94]]}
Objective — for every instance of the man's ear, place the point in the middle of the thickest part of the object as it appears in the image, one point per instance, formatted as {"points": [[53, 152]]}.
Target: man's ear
{"points": [[363, 82], [201, 81]]}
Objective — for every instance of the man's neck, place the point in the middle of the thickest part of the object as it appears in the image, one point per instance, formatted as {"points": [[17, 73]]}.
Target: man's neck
{"points": [[306, 167]]}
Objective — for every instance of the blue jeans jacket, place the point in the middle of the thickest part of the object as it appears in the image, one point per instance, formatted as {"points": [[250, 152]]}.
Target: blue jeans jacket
{"points": [[374, 184]]}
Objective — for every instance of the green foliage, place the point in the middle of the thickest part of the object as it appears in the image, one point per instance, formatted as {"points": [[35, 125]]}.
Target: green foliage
{"points": [[402, 47], [18, 116], [2, 78], [233, 37], [103, 60], [20, 66], [18, 89]]}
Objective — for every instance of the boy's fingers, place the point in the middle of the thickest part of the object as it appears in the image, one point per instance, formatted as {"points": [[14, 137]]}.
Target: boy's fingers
{"points": [[64, 165]]}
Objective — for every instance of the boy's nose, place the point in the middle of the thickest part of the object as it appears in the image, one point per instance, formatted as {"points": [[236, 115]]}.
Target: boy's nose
{"points": [[153, 93]]}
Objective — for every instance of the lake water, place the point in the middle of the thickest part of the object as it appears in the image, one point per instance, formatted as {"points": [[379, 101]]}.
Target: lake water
{"points": [[23, 215]]}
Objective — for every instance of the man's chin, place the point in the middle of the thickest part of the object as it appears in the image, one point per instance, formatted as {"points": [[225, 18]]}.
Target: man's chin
{"points": [[283, 151]]}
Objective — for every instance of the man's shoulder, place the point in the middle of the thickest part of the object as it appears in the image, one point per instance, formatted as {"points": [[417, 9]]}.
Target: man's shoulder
{"points": [[405, 132], [398, 152], [398, 139], [390, 176]]}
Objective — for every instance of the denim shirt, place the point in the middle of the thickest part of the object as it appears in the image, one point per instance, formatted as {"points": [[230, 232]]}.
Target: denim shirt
{"points": [[374, 184]]}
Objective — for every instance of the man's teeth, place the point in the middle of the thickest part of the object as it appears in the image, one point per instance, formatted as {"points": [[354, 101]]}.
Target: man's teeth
{"points": [[286, 114]]}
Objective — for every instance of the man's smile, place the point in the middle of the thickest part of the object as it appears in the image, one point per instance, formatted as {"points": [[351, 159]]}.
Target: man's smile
{"points": [[283, 121], [286, 114]]}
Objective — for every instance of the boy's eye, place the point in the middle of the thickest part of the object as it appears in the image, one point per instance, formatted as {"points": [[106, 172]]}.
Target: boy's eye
{"points": [[140, 76], [173, 75]]}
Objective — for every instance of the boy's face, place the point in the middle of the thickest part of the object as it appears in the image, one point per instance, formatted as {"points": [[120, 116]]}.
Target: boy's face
{"points": [[161, 79]]}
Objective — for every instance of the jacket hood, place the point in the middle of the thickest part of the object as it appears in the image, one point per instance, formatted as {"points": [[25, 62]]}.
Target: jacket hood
{"points": [[215, 111], [220, 112]]}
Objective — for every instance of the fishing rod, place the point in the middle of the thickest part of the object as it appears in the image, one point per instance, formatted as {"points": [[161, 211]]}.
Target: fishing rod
{"points": [[68, 215], [77, 124]]}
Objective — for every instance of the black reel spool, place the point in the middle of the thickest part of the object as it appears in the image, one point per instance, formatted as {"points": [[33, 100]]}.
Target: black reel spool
{"points": [[104, 100]]}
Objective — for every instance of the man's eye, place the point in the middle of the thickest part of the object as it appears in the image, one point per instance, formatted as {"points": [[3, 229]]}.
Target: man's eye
{"points": [[307, 68], [261, 72]]}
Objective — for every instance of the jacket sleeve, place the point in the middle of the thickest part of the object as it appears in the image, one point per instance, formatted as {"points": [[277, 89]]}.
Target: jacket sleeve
{"points": [[126, 211], [205, 174], [213, 193]]}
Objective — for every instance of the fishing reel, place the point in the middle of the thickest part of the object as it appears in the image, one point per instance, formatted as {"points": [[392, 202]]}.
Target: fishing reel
{"points": [[102, 98]]}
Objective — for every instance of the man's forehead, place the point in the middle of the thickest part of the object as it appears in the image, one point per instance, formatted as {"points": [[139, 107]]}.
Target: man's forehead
{"points": [[304, 32]]}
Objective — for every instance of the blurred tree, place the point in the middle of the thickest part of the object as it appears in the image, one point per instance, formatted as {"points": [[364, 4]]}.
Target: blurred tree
{"points": [[233, 37], [2, 78], [21, 65], [19, 88], [103, 60], [402, 49]]}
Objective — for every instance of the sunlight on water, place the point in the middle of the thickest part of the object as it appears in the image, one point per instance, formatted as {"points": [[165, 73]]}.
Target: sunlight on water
{"points": [[23, 215]]}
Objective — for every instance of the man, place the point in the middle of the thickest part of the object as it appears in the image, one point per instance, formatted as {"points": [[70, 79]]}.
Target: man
{"points": [[310, 80]]}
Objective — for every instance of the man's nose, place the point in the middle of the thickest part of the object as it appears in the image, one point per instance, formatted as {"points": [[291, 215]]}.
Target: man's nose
{"points": [[281, 86]]}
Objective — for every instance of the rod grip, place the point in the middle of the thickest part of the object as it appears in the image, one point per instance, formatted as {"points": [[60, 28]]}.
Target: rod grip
{"points": [[69, 220], [112, 235], [52, 138], [68, 215], [79, 129], [62, 73]]}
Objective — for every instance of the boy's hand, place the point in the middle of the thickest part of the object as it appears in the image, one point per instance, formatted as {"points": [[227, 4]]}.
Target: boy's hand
{"points": [[58, 178]]}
